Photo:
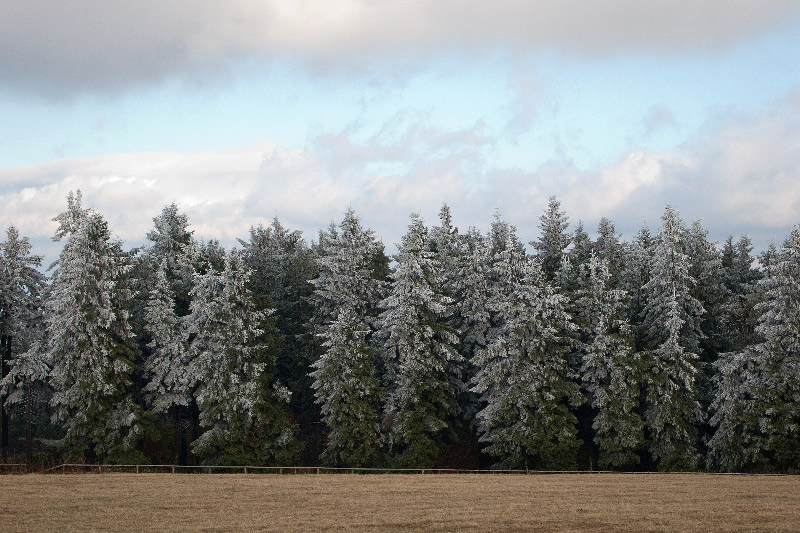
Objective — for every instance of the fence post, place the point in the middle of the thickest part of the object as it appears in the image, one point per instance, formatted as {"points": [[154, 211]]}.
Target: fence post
{"points": [[245, 470], [173, 469], [137, 469], [317, 470]]}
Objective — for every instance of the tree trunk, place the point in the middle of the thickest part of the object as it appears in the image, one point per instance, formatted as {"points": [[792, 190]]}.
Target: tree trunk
{"points": [[179, 445], [29, 429], [183, 451]]}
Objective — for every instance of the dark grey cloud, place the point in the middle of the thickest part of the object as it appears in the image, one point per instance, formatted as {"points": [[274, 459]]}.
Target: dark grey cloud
{"points": [[63, 49]]}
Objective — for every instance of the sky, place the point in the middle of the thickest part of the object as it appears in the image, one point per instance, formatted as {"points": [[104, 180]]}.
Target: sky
{"points": [[243, 111]]}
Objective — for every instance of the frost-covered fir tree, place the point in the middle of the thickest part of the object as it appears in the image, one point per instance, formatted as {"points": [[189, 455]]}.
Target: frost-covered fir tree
{"points": [[554, 238], [635, 277], [90, 342], [609, 367], [21, 328], [168, 368], [525, 382], [444, 241], [507, 263], [472, 307], [582, 245], [757, 405], [166, 263], [347, 271], [454, 253], [421, 403], [282, 266], [346, 294], [242, 407], [172, 247], [347, 391], [739, 277], [708, 289], [672, 320], [609, 248]]}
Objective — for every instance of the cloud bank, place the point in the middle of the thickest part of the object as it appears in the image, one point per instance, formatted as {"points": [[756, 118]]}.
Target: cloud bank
{"points": [[64, 49], [740, 174]]}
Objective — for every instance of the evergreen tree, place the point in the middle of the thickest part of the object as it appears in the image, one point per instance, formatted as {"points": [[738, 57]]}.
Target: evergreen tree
{"points": [[525, 382], [757, 406], [609, 248], [739, 279], [21, 328], [453, 254], [554, 238], [347, 293], [609, 368], [172, 247], [444, 242], [672, 319], [166, 386], [91, 344], [282, 266], [582, 246], [171, 382], [347, 391], [707, 271], [506, 268], [421, 403], [242, 406], [472, 308], [635, 277]]}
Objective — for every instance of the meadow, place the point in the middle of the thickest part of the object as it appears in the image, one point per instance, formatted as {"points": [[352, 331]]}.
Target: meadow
{"points": [[352, 502]]}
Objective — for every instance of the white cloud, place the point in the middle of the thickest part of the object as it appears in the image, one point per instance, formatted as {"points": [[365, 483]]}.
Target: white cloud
{"points": [[60, 49], [739, 173], [746, 167]]}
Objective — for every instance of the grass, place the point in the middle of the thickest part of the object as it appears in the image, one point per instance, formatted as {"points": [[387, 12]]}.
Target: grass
{"points": [[345, 502]]}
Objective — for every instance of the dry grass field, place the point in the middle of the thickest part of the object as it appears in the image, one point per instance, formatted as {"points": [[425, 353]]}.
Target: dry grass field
{"points": [[347, 502]]}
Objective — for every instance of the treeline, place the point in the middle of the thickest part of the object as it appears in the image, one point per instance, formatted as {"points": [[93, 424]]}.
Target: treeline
{"points": [[667, 352]]}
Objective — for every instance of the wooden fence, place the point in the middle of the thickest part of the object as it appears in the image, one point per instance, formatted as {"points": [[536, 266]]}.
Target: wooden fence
{"points": [[13, 468], [209, 469], [212, 469]]}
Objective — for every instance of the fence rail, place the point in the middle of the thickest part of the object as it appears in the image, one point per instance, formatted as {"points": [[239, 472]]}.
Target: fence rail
{"points": [[210, 469], [13, 468]]}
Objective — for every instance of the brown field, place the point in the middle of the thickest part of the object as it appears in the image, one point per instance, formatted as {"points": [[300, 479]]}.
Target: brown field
{"points": [[347, 502]]}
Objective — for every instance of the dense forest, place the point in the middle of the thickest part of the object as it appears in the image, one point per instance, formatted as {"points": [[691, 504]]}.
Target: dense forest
{"points": [[667, 352]]}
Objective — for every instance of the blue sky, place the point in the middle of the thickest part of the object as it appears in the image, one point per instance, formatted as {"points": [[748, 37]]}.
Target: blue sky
{"points": [[243, 111]]}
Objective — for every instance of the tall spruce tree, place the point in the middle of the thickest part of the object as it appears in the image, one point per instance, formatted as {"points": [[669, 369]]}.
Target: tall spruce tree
{"points": [[525, 382], [171, 248], [163, 273], [347, 293], [672, 318], [554, 238], [421, 404], [282, 266], [610, 371], [609, 248], [170, 381], [21, 327], [472, 308], [739, 277], [242, 406], [91, 344], [635, 277], [757, 406]]}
